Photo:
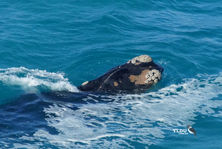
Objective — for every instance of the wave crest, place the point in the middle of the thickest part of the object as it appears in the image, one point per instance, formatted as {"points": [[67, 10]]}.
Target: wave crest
{"points": [[35, 78]]}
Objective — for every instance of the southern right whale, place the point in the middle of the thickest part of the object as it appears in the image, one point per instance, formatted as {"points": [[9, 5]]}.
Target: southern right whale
{"points": [[137, 75]]}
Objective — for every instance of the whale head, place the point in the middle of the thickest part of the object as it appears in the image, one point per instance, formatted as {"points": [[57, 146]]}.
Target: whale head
{"points": [[136, 75]]}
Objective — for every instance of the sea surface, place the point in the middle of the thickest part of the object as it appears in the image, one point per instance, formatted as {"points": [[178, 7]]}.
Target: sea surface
{"points": [[49, 47]]}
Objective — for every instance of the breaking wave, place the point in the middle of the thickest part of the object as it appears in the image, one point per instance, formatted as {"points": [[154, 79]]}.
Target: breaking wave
{"points": [[31, 79]]}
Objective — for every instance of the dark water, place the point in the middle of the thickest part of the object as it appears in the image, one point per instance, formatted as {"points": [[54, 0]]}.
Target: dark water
{"points": [[47, 48]]}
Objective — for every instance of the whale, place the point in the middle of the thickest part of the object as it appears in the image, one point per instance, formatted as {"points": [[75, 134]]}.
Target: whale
{"points": [[135, 76]]}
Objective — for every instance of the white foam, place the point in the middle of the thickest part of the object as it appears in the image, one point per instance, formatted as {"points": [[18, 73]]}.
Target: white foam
{"points": [[30, 79], [142, 118]]}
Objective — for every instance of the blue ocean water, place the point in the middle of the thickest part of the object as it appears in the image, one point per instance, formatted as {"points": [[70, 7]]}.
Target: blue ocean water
{"points": [[50, 46]]}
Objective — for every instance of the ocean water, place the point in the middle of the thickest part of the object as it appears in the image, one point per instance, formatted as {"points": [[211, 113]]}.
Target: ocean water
{"points": [[52, 46]]}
